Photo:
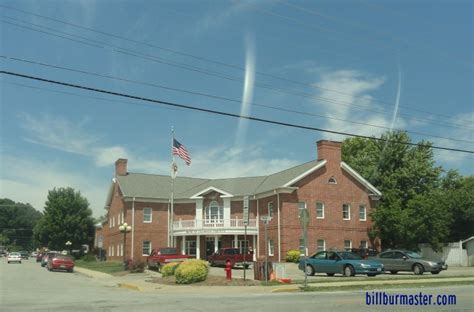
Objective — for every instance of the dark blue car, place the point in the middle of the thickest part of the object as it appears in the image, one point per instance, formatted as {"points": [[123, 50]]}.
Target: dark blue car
{"points": [[342, 262]]}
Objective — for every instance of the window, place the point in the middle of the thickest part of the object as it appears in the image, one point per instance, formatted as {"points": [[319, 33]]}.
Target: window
{"points": [[147, 216], [123, 217], [302, 246], [118, 250], [301, 205], [146, 248], [113, 251], [110, 222], [346, 211], [271, 250], [190, 248], [113, 221], [347, 245], [110, 252], [321, 245], [362, 214], [319, 210], [364, 244], [332, 180], [214, 213], [320, 255], [270, 209]]}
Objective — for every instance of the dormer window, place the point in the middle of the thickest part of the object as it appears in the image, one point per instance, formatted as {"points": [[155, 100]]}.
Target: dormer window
{"points": [[332, 180]]}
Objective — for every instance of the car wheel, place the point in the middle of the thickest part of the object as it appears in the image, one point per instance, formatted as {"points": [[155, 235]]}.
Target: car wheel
{"points": [[393, 272], [435, 272], [418, 269], [309, 270], [8, 262], [348, 271], [330, 274]]}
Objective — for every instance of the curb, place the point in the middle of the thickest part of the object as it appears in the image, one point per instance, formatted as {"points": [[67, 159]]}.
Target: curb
{"points": [[286, 290], [129, 286]]}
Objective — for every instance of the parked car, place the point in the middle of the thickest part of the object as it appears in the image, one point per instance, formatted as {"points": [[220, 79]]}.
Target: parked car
{"points": [[404, 260], [340, 262], [34, 254], [24, 254], [39, 256], [60, 262], [233, 255], [365, 253], [14, 257], [44, 260], [161, 256]]}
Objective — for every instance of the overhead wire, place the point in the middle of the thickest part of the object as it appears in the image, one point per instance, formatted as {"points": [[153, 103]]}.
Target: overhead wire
{"points": [[306, 84], [217, 97], [220, 75], [221, 113]]}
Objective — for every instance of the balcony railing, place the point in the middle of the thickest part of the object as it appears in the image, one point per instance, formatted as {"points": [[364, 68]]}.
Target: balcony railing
{"points": [[237, 224]]}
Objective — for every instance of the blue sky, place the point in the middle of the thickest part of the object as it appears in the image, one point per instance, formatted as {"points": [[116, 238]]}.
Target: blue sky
{"points": [[347, 61]]}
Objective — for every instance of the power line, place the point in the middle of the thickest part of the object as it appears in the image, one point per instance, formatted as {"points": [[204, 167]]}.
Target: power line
{"points": [[223, 98], [221, 113], [223, 76], [306, 84]]}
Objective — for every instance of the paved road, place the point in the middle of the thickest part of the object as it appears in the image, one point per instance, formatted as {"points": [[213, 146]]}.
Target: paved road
{"points": [[28, 287]]}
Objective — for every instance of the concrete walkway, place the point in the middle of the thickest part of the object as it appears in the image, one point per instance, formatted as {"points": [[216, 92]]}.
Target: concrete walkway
{"points": [[141, 282]]}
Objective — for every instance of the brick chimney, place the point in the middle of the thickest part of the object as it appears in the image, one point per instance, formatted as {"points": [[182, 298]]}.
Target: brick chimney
{"points": [[329, 150], [121, 167]]}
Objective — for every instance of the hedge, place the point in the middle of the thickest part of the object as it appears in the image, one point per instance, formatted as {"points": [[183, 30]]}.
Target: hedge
{"points": [[169, 269], [293, 255], [191, 271]]}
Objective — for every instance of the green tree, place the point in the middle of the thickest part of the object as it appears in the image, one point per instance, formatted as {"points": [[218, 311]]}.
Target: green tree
{"points": [[16, 224], [67, 217], [405, 174]]}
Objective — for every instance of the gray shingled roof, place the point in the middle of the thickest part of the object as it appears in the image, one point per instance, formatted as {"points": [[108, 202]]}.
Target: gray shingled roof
{"points": [[159, 186]]}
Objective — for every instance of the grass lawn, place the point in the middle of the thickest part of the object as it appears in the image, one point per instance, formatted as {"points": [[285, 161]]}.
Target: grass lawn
{"points": [[101, 266]]}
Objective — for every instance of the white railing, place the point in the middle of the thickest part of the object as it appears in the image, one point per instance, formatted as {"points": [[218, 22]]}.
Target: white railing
{"points": [[213, 224]]}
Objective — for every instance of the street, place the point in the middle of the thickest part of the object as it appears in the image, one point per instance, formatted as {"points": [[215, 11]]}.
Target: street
{"points": [[29, 287]]}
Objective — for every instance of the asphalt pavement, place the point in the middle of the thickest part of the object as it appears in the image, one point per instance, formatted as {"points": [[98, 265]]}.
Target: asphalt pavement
{"points": [[29, 287]]}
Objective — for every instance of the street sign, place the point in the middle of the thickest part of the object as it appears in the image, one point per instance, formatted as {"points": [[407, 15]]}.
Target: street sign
{"points": [[246, 211], [265, 219]]}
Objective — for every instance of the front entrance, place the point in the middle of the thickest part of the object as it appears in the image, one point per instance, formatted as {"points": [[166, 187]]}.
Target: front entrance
{"points": [[211, 245]]}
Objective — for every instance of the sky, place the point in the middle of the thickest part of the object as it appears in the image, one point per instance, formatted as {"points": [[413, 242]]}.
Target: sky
{"points": [[360, 66]]}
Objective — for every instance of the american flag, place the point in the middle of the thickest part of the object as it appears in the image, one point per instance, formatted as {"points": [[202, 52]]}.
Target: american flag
{"points": [[180, 150]]}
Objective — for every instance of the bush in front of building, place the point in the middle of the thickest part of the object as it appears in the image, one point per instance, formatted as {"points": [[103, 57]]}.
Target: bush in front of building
{"points": [[88, 258], [293, 255], [169, 269], [191, 271], [136, 266]]}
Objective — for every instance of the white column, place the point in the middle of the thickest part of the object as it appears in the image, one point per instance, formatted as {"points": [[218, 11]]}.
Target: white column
{"points": [[198, 249], [198, 217], [216, 243], [226, 212], [236, 242], [253, 246], [183, 245]]}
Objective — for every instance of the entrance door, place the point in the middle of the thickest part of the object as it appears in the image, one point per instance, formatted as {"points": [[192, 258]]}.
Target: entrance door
{"points": [[211, 245]]}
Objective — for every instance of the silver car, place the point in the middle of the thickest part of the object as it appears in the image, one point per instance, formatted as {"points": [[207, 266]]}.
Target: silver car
{"points": [[404, 260]]}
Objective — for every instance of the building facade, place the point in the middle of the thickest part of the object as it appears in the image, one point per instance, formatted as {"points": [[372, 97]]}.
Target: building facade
{"points": [[207, 214]]}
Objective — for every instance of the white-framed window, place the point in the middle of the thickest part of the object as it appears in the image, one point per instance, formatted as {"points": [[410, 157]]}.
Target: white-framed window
{"points": [[321, 245], [110, 222], [347, 245], [123, 216], [319, 210], [190, 247], [364, 244], [271, 247], [270, 209], [346, 211], [146, 248], [113, 221], [214, 213], [332, 180], [362, 213], [118, 250], [301, 205], [147, 215], [110, 251], [113, 251]]}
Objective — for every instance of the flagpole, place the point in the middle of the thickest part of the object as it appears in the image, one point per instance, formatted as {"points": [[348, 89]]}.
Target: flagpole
{"points": [[172, 186]]}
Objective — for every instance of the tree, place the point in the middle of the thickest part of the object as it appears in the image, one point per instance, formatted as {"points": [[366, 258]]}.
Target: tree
{"points": [[407, 177], [16, 224], [67, 217]]}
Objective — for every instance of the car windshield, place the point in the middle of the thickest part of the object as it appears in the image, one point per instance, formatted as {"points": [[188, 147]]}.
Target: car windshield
{"points": [[15, 254], [168, 251], [413, 255], [349, 255]]}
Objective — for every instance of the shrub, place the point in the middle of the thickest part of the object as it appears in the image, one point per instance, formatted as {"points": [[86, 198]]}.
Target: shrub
{"points": [[293, 255], [88, 258], [191, 271], [169, 269], [136, 266]]}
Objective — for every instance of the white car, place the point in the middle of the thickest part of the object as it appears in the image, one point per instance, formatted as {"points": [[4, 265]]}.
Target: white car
{"points": [[14, 257]]}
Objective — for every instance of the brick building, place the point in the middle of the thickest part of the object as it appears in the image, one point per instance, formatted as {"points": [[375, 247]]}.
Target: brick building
{"points": [[208, 213]]}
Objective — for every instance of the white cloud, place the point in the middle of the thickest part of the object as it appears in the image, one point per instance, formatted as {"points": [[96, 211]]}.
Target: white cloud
{"points": [[108, 155]]}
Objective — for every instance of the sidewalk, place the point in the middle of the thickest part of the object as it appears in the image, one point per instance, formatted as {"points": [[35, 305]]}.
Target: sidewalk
{"points": [[140, 282]]}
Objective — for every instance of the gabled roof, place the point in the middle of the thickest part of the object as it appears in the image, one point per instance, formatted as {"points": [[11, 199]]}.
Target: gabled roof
{"points": [[358, 177]]}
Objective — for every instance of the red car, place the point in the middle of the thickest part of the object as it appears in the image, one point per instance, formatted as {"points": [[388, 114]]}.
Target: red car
{"points": [[162, 256], [60, 262]]}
